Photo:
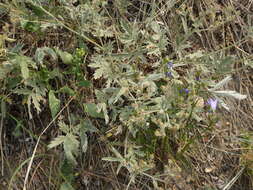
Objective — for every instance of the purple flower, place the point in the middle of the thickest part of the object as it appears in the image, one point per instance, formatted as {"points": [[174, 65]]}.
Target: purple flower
{"points": [[184, 90], [197, 78], [213, 103], [169, 65], [169, 74]]}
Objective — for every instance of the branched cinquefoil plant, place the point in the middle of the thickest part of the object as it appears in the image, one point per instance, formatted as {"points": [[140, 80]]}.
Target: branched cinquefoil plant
{"points": [[152, 109], [158, 107]]}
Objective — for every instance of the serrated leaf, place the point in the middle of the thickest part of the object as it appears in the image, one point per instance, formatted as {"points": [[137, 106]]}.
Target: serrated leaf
{"points": [[55, 73], [5, 68], [36, 98], [67, 90], [113, 93], [54, 103], [24, 68], [39, 55], [71, 145], [63, 127], [100, 95], [87, 126], [42, 52], [56, 142], [24, 63], [102, 107], [31, 97], [122, 91], [102, 66], [22, 91], [91, 109], [98, 73]]}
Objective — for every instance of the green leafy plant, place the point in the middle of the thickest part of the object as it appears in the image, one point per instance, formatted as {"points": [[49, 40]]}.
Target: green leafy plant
{"points": [[134, 72], [74, 140]]}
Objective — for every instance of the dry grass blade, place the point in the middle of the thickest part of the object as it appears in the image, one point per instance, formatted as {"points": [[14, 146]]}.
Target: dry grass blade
{"points": [[38, 141], [1, 143], [233, 180]]}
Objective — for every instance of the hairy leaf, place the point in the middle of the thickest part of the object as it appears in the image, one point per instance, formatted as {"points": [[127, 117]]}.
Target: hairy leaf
{"points": [[221, 83], [42, 52], [65, 56], [71, 145], [67, 90], [24, 68], [57, 141], [63, 127], [230, 93], [54, 103], [92, 110]]}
